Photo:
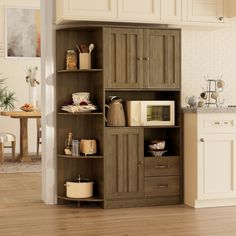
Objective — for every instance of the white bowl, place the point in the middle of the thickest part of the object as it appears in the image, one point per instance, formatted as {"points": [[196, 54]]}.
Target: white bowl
{"points": [[80, 96], [157, 153], [158, 145]]}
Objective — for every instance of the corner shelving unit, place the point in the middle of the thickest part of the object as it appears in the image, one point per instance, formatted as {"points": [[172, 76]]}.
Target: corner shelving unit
{"points": [[85, 125]]}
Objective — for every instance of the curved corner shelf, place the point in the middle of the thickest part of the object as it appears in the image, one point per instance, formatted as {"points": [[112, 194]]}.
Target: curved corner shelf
{"points": [[80, 157], [78, 71], [91, 199], [80, 114]]}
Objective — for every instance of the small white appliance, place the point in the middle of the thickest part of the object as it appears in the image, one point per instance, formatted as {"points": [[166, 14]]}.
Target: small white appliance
{"points": [[150, 113]]}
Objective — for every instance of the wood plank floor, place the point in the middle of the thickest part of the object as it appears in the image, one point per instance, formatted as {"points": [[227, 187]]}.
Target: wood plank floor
{"points": [[23, 214]]}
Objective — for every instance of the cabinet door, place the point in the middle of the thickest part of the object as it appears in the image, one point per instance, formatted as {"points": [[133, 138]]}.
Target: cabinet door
{"points": [[205, 10], [123, 51], [171, 10], [162, 61], [141, 11], [86, 10], [124, 167], [217, 166]]}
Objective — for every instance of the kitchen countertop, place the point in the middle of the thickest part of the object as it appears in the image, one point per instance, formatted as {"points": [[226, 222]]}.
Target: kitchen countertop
{"points": [[209, 110]]}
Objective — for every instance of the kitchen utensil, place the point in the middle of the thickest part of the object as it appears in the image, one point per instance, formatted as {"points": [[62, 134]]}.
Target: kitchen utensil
{"points": [[84, 48], [158, 153], [115, 113], [88, 146], [91, 47], [79, 189], [192, 101]]}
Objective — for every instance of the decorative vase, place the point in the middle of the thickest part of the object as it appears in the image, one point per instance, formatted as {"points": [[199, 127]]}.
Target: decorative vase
{"points": [[33, 96]]}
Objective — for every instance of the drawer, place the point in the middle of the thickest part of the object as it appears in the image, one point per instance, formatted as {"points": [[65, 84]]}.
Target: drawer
{"points": [[162, 186], [217, 123], [161, 166]]}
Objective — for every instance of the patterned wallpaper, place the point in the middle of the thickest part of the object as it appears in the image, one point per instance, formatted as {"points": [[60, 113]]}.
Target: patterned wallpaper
{"points": [[211, 53]]}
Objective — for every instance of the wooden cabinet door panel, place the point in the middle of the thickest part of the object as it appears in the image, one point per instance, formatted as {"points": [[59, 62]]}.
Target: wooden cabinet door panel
{"points": [[124, 163], [205, 10], [123, 58], [90, 9], [217, 166], [162, 59], [171, 10], [141, 11]]}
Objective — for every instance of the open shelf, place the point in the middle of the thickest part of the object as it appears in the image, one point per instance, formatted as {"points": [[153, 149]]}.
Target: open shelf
{"points": [[91, 199], [80, 157], [80, 114], [167, 156], [78, 71], [146, 127]]}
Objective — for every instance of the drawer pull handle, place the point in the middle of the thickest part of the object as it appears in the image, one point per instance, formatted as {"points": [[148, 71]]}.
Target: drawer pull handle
{"points": [[217, 123], [202, 140], [163, 186], [162, 166]]}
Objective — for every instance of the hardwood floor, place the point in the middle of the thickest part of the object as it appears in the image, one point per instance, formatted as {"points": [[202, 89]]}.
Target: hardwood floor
{"points": [[22, 213]]}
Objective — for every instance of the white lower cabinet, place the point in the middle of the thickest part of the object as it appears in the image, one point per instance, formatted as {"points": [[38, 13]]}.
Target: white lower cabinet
{"points": [[209, 159]]}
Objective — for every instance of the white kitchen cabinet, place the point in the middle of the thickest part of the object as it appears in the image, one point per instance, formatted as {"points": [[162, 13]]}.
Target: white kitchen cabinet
{"points": [[99, 10], [211, 11], [171, 10], [139, 11], [209, 159]]}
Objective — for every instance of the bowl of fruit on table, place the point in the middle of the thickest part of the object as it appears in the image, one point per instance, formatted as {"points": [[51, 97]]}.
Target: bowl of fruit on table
{"points": [[27, 107]]}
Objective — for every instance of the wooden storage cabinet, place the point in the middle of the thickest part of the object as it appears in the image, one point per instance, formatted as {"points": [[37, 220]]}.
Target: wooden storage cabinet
{"points": [[124, 163], [146, 58], [124, 173]]}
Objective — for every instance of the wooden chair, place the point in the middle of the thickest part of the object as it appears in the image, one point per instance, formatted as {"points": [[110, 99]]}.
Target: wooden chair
{"points": [[39, 134], [5, 140]]}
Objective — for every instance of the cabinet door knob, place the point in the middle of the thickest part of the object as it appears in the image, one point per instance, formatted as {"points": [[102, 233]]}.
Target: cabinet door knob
{"points": [[139, 58], [221, 18], [141, 162], [202, 140], [146, 58]]}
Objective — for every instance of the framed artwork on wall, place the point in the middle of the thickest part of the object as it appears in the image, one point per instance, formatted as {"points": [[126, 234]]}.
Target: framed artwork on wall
{"points": [[22, 32]]}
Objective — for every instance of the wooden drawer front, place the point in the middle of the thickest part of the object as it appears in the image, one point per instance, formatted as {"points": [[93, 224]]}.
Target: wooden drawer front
{"points": [[161, 166], [161, 186]]}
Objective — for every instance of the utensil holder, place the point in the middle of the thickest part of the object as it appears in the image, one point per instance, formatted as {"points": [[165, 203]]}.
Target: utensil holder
{"points": [[85, 61]]}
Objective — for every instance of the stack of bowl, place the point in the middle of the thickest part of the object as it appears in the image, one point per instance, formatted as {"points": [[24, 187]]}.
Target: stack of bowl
{"points": [[156, 148]]}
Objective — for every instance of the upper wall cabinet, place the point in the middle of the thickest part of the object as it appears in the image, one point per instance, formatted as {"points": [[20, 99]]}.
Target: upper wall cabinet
{"points": [[146, 11], [211, 11], [171, 10], [99, 10], [139, 11]]}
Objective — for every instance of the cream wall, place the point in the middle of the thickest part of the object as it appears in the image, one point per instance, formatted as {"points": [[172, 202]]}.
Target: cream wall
{"points": [[209, 53], [15, 71]]}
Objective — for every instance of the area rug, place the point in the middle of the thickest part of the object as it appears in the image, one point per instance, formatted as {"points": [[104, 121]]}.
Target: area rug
{"points": [[13, 167]]}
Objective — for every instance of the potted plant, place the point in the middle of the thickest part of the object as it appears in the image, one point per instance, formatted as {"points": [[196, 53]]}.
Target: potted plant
{"points": [[7, 98]]}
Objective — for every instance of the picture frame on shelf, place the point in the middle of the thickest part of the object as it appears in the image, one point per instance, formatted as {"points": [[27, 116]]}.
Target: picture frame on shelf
{"points": [[22, 32]]}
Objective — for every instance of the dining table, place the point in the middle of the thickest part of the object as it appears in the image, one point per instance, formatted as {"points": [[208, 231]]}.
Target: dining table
{"points": [[23, 116]]}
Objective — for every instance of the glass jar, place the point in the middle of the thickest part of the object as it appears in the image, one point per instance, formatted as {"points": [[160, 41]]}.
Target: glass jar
{"points": [[71, 60]]}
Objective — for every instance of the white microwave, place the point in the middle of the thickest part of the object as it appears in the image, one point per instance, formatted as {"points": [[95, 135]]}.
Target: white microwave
{"points": [[150, 113]]}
